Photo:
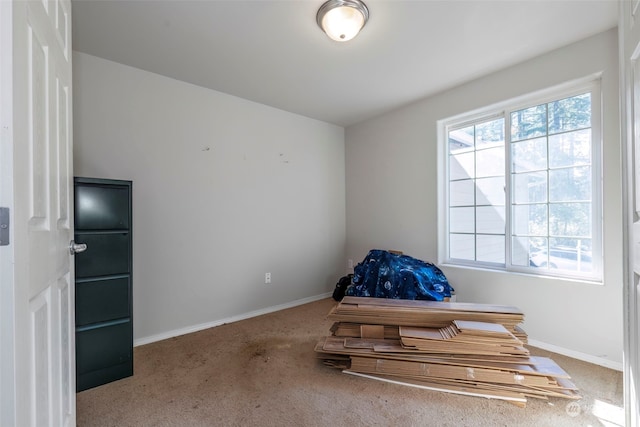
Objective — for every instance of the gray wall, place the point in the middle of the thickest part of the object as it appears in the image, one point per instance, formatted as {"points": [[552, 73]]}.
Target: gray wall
{"points": [[392, 195], [224, 190]]}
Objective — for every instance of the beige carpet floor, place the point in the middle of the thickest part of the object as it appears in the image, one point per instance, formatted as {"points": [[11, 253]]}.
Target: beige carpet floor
{"points": [[263, 372]]}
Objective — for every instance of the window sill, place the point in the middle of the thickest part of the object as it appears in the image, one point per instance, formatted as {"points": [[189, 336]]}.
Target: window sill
{"points": [[587, 281]]}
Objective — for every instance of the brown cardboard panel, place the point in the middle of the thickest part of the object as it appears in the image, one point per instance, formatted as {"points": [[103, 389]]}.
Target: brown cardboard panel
{"points": [[501, 395], [421, 313], [372, 331], [348, 329], [455, 306], [369, 365]]}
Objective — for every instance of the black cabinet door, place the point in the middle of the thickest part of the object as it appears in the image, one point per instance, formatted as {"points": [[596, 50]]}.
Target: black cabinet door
{"points": [[104, 327]]}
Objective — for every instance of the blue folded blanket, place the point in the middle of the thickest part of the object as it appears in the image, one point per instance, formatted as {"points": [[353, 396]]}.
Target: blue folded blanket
{"points": [[383, 274]]}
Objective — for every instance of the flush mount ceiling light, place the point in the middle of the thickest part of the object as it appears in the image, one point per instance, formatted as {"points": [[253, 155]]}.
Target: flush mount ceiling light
{"points": [[342, 20]]}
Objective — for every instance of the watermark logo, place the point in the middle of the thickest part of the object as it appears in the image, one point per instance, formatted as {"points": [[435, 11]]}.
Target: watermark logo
{"points": [[573, 409]]}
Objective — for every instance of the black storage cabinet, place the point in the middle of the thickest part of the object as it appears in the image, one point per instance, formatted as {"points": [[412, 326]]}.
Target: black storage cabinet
{"points": [[104, 324]]}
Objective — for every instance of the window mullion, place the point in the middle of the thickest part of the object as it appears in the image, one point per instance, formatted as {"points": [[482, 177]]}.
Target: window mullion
{"points": [[548, 205], [475, 194], [508, 208]]}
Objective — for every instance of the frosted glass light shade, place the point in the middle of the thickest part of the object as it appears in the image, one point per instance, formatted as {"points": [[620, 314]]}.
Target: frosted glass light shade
{"points": [[342, 20]]}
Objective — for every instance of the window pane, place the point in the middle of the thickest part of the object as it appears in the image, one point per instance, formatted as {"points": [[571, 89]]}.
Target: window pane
{"points": [[539, 259], [570, 184], [490, 220], [529, 123], [462, 166], [461, 193], [525, 249], [570, 219], [490, 191], [570, 255], [462, 246], [570, 113], [490, 133], [530, 220], [570, 149], [490, 162], [461, 220], [490, 248], [530, 187], [529, 155], [461, 140]]}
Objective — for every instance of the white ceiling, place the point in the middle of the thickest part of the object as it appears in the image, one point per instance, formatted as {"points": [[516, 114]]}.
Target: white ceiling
{"points": [[272, 52]]}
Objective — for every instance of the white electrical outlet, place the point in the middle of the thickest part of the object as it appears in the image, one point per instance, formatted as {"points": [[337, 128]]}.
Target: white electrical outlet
{"points": [[349, 263], [267, 277]]}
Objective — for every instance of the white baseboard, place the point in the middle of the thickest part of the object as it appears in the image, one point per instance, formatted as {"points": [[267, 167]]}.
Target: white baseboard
{"points": [[601, 361], [196, 328]]}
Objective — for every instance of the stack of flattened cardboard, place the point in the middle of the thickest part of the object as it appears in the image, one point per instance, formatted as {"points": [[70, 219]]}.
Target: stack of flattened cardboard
{"points": [[474, 349]]}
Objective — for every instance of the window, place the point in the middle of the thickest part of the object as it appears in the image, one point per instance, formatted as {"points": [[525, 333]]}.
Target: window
{"points": [[522, 186]]}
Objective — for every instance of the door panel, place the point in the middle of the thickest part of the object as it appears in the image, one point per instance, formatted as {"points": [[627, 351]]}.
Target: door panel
{"points": [[39, 325], [66, 344], [63, 156], [37, 72]]}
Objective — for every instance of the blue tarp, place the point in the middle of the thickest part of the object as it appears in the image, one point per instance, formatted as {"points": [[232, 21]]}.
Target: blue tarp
{"points": [[383, 274]]}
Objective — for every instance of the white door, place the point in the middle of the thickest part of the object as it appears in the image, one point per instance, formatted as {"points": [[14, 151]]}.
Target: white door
{"points": [[37, 383], [629, 27]]}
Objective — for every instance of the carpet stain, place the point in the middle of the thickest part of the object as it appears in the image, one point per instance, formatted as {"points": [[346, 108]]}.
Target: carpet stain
{"points": [[259, 352], [265, 348]]}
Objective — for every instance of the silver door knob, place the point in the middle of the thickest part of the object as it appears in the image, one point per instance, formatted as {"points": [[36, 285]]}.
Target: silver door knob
{"points": [[76, 248]]}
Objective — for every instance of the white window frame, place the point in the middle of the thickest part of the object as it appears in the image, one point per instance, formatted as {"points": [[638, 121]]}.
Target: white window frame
{"points": [[590, 84]]}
